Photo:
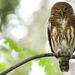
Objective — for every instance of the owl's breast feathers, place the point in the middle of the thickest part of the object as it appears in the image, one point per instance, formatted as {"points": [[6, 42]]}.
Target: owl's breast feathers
{"points": [[62, 32]]}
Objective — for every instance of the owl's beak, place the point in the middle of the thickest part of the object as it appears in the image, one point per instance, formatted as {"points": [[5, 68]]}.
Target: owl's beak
{"points": [[62, 13]]}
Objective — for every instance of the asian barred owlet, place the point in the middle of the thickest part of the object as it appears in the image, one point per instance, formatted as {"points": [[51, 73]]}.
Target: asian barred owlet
{"points": [[61, 32]]}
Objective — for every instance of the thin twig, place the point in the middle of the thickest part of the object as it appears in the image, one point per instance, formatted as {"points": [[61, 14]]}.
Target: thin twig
{"points": [[29, 59]]}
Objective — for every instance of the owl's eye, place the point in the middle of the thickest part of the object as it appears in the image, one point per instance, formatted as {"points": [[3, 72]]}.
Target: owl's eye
{"points": [[57, 9], [66, 9]]}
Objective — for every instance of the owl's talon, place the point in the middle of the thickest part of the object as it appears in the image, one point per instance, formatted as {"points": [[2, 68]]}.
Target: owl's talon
{"points": [[69, 55], [59, 54]]}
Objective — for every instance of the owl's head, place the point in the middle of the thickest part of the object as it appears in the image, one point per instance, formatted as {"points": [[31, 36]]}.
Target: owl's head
{"points": [[62, 9]]}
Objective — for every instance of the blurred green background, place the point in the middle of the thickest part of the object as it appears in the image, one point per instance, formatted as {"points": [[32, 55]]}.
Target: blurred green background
{"points": [[23, 33]]}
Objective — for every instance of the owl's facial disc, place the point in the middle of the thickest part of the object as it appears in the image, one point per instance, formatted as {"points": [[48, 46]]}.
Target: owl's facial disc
{"points": [[59, 11], [62, 9]]}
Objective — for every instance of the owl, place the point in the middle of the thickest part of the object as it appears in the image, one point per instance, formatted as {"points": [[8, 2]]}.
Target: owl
{"points": [[61, 33]]}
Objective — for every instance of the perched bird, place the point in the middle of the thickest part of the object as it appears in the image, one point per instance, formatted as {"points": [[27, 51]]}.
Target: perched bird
{"points": [[61, 33]]}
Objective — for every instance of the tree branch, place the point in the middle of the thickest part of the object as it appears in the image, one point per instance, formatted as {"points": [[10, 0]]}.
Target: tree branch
{"points": [[31, 58]]}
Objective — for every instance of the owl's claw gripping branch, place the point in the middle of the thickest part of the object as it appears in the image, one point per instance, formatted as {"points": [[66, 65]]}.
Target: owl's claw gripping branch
{"points": [[69, 55], [59, 54]]}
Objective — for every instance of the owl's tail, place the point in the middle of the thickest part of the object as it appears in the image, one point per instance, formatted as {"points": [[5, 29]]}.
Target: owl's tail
{"points": [[64, 65]]}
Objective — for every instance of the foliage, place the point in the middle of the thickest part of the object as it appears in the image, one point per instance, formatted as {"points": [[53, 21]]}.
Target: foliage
{"points": [[24, 53], [7, 7], [36, 40]]}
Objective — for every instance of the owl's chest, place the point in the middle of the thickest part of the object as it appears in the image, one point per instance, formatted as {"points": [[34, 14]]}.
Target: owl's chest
{"points": [[60, 25], [62, 22], [58, 28], [61, 34]]}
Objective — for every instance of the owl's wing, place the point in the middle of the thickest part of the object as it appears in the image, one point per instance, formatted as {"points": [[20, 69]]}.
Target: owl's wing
{"points": [[49, 36], [72, 22], [74, 30]]}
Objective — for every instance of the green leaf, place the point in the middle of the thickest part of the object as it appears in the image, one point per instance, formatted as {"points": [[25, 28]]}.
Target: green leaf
{"points": [[3, 67], [49, 68], [12, 44]]}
